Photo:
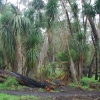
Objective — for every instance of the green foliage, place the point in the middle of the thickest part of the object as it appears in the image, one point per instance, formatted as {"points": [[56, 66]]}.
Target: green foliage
{"points": [[88, 10], [10, 82], [89, 80], [6, 16], [84, 83], [75, 9], [79, 37], [38, 4], [1, 5], [29, 13], [75, 26], [1, 58], [13, 9], [97, 6], [12, 97], [53, 70], [63, 55], [74, 85], [51, 11]]}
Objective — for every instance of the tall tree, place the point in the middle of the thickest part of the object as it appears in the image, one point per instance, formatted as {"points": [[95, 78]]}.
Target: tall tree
{"points": [[72, 67], [89, 11]]}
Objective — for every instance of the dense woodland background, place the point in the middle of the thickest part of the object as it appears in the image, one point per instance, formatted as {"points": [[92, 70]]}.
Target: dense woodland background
{"points": [[50, 39]]}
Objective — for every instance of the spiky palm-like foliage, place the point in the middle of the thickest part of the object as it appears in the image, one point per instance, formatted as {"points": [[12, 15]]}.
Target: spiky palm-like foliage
{"points": [[32, 40], [30, 14], [51, 11], [75, 9], [1, 5], [38, 4], [7, 37], [97, 6], [14, 26], [88, 10]]}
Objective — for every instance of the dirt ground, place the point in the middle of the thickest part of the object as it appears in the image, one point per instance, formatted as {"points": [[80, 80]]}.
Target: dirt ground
{"points": [[61, 93]]}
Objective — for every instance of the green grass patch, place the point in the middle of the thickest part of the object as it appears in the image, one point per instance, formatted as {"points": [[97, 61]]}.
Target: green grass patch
{"points": [[89, 80], [74, 85], [11, 84], [85, 83], [12, 97]]}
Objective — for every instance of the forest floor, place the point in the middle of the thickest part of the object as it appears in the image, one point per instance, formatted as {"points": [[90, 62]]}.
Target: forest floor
{"points": [[61, 93]]}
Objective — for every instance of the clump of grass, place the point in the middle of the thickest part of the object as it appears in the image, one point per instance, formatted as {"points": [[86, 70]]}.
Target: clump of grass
{"points": [[74, 85], [11, 84], [84, 83], [12, 97], [11, 81], [89, 80], [41, 90]]}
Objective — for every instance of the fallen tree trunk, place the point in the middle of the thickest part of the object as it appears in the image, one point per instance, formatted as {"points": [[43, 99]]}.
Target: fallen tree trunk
{"points": [[23, 80]]}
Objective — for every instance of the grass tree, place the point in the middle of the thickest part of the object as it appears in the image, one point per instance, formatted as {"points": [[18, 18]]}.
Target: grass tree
{"points": [[79, 37], [97, 7], [7, 38], [51, 12], [32, 42], [72, 67], [90, 13], [20, 25], [14, 25]]}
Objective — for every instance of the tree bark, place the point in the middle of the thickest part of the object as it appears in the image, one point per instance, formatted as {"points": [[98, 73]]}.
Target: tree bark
{"points": [[18, 54], [95, 33], [67, 16], [80, 66], [91, 66], [72, 68]]}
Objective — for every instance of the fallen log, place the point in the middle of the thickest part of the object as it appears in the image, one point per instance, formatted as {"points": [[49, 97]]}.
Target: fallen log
{"points": [[23, 80]]}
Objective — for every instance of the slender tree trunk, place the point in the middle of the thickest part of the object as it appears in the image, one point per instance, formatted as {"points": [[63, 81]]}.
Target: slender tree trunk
{"points": [[43, 52], [80, 66], [4, 57], [95, 33], [18, 54], [25, 67], [50, 48], [91, 67], [67, 16], [72, 67], [13, 67], [96, 62]]}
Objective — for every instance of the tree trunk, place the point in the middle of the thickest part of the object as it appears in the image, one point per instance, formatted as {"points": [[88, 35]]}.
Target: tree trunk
{"points": [[13, 66], [67, 16], [91, 66], [96, 62], [80, 66], [5, 63], [50, 48], [95, 33], [43, 52], [72, 67], [18, 54]]}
